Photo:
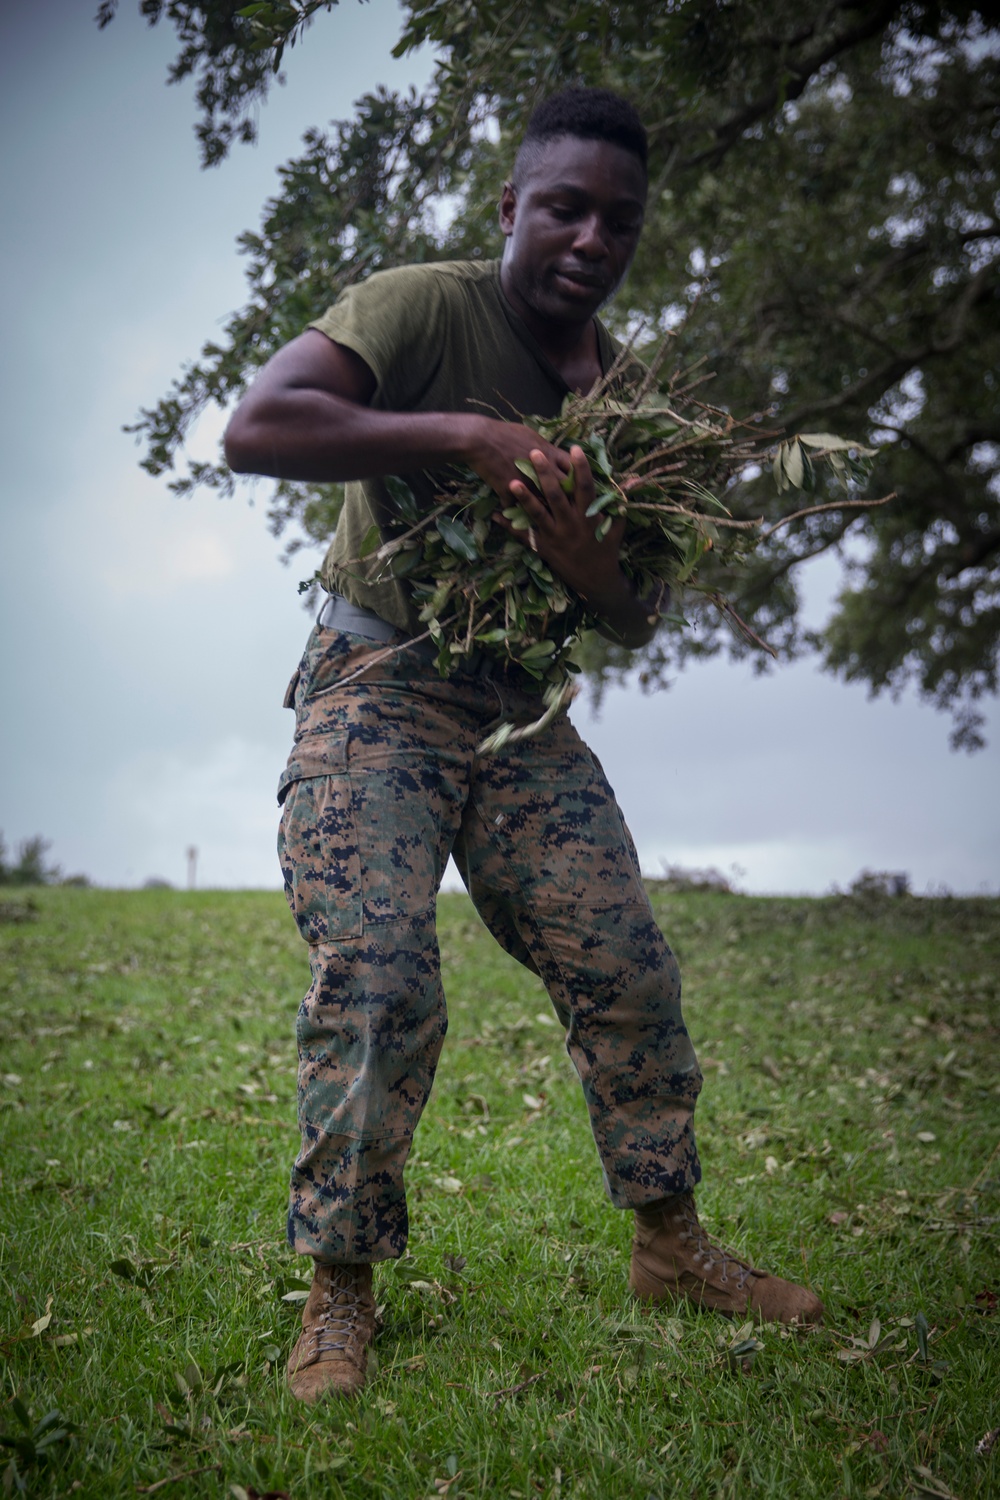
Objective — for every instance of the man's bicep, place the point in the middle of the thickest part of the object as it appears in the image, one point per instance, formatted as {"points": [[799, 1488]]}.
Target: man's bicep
{"points": [[313, 361], [288, 411]]}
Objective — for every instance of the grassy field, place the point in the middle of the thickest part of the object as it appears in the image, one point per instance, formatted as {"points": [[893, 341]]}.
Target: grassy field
{"points": [[849, 1133]]}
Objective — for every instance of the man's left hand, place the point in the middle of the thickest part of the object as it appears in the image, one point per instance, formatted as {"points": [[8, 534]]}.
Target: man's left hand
{"points": [[561, 532], [565, 538]]}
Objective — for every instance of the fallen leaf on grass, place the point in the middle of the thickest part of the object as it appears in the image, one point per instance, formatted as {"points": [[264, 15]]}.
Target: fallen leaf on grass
{"points": [[143, 1273], [928, 1484], [743, 1350], [40, 1324], [293, 1289], [741, 1356], [61, 1340], [987, 1442], [875, 1343], [920, 1323], [37, 1438]]}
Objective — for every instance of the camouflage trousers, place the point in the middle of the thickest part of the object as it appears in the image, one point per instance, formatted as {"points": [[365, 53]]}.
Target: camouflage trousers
{"points": [[383, 783]]}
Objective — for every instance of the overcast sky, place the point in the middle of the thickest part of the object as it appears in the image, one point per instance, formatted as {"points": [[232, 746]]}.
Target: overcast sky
{"points": [[147, 640]]}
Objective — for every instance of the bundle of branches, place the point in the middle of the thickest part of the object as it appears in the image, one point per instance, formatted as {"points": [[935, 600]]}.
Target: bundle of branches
{"points": [[663, 459]]}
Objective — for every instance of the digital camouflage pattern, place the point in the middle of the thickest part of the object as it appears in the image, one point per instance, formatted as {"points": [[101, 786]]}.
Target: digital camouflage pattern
{"points": [[382, 784]]}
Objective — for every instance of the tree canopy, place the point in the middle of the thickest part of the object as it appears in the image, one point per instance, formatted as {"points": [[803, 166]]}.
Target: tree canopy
{"points": [[822, 233]]}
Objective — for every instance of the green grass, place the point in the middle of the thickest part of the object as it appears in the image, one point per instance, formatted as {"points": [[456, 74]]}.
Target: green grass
{"points": [[849, 1132]]}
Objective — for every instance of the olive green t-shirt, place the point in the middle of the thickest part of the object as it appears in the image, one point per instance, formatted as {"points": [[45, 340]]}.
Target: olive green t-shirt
{"points": [[438, 337]]}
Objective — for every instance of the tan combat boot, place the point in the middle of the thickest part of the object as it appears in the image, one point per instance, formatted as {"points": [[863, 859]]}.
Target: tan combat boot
{"points": [[338, 1324], [674, 1260]]}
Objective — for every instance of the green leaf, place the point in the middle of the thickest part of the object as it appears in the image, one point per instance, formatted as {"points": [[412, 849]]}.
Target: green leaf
{"points": [[402, 498], [51, 1419], [21, 1412], [599, 501], [778, 470], [793, 465], [403, 563], [58, 1435], [24, 1447], [695, 550], [458, 537], [371, 543], [526, 467], [598, 455], [830, 441], [538, 651], [920, 1323]]}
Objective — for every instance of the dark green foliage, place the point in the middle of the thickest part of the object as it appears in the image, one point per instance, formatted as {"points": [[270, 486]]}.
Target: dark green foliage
{"points": [[235, 50], [30, 867], [823, 206]]}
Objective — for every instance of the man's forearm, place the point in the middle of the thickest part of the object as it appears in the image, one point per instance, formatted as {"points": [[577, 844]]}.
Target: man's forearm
{"points": [[622, 616], [313, 435]]}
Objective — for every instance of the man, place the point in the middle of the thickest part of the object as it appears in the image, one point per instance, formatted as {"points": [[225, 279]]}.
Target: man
{"points": [[409, 373]]}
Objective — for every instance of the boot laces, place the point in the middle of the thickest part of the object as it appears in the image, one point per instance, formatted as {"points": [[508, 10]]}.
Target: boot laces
{"points": [[339, 1313], [709, 1252]]}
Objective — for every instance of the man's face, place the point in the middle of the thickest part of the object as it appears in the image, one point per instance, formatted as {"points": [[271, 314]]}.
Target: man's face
{"points": [[572, 227]]}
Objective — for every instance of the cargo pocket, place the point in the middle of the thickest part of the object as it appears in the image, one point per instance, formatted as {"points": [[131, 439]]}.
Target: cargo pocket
{"points": [[288, 701], [317, 840]]}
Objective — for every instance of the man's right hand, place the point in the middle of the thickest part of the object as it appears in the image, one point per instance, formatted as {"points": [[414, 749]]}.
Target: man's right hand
{"points": [[497, 448]]}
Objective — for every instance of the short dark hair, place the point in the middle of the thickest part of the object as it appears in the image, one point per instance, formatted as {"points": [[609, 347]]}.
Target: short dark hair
{"points": [[590, 115]]}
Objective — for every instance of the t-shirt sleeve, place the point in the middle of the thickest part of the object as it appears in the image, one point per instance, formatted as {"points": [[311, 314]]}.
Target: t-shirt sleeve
{"points": [[397, 322]]}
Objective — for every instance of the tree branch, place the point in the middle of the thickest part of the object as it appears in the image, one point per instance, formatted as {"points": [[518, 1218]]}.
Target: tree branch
{"points": [[876, 19], [892, 370], [972, 293]]}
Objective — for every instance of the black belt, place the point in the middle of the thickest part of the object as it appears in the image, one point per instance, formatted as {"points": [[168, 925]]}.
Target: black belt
{"points": [[339, 614]]}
